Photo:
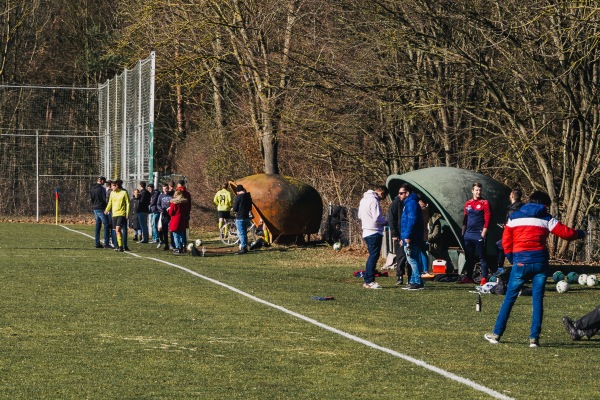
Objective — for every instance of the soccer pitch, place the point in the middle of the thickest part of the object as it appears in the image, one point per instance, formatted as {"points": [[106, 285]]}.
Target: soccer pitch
{"points": [[80, 322]]}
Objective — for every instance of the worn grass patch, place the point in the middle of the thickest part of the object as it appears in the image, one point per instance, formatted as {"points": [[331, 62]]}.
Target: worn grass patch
{"points": [[79, 322]]}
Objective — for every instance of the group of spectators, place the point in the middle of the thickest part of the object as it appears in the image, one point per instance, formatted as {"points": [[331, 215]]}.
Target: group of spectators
{"points": [[523, 243], [168, 214]]}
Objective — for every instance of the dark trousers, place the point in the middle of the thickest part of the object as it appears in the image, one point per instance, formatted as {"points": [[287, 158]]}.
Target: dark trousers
{"points": [[401, 261], [589, 323], [475, 249]]}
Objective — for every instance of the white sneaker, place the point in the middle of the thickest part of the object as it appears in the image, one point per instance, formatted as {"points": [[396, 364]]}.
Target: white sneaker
{"points": [[372, 285], [492, 338]]}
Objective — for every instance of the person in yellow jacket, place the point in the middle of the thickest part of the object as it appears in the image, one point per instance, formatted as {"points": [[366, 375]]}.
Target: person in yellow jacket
{"points": [[118, 204], [223, 201]]}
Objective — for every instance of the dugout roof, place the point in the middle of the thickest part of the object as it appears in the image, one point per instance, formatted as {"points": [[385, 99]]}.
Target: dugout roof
{"points": [[446, 190]]}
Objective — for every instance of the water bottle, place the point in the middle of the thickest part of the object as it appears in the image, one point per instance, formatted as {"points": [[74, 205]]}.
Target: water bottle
{"points": [[203, 251], [478, 304]]}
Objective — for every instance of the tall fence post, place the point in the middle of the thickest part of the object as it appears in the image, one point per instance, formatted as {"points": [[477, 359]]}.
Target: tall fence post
{"points": [[37, 175]]}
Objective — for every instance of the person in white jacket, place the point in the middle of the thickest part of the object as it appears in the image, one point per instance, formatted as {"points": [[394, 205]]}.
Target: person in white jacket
{"points": [[373, 221]]}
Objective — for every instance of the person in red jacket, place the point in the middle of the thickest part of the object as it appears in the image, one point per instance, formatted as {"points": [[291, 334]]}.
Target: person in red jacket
{"points": [[180, 213], [524, 242], [187, 206]]}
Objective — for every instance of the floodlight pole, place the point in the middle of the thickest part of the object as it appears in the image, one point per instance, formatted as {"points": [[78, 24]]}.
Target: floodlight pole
{"points": [[151, 116], [37, 175]]}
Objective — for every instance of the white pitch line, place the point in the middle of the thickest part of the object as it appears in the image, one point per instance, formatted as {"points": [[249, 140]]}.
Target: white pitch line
{"points": [[423, 364]]}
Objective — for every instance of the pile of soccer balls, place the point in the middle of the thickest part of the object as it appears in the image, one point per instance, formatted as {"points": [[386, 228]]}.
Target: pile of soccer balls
{"points": [[197, 243], [563, 283]]}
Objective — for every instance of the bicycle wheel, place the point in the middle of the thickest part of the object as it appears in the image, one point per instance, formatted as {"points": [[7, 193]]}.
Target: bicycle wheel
{"points": [[229, 233], [251, 232]]}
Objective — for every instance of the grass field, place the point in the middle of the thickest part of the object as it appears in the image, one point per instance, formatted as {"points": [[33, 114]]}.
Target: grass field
{"points": [[85, 323]]}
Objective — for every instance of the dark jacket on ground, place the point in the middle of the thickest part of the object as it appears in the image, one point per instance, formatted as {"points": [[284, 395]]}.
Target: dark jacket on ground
{"points": [[98, 197], [242, 205]]}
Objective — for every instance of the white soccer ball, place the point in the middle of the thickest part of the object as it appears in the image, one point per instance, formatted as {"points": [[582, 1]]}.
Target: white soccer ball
{"points": [[582, 279], [198, 242], [337, 246], [190, 246], [562, 287], [592, 280]]}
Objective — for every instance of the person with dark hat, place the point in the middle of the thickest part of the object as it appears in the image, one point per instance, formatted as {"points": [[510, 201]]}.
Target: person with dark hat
{"points": [[242, 206], [98, 199]]}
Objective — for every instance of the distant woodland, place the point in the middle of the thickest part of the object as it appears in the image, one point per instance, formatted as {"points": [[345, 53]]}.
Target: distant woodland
{"points": [[341, 93]]}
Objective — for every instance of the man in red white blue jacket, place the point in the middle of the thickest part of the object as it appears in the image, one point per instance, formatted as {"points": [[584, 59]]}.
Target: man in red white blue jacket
{"points": [[476, 221], [524, 242]]}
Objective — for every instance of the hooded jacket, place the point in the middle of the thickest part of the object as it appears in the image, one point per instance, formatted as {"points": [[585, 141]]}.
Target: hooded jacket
{"points": [[369, 213], [179, 213], [412, 226], [526, 233]]}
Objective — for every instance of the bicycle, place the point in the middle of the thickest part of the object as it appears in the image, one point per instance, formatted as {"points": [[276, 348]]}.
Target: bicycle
{"points": [[229, 233]]}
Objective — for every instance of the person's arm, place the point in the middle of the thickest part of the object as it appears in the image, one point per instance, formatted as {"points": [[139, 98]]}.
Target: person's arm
{"points": [[507, 241], [108, 204], [465, 219], [487, 216], [127, 205], [564, 232], [409, 216]]}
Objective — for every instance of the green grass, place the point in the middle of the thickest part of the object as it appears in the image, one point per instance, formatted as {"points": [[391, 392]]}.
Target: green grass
{"points": [[79, 322]]}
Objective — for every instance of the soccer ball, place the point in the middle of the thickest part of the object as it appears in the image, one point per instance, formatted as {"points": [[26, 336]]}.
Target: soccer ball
{"points": [[562, 287], [198, 242], [558, 276], [582, 279], [337, 246], [572, 277], [190, 246], [592, 280]]}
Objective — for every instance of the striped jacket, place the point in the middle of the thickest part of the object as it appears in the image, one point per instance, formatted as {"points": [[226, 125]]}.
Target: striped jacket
{"points": [[526, 232]]}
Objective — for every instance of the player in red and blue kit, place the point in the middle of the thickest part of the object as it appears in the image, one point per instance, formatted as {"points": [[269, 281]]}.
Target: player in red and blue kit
{"points": [[524, 242], [475, 226]]}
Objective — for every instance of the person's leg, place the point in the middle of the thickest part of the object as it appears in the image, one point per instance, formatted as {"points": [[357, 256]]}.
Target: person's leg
{"points": [[413, 257], [154, 224], [373, 243], [515, 284], [107, 229], [400, 262], [469, 266], [589, 323], [118, 234], [499, 256], [143, 223], [538, 286], [177, 241], [124, 233], [98, 217], [424, 260], [240, 224], [481, 255]]}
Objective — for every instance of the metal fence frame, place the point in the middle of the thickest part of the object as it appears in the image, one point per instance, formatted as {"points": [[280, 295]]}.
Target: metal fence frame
{"points": [[126, 124]]}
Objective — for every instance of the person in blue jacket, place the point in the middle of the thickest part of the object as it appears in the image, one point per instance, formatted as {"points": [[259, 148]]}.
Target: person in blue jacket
{"points": [[412, 230]]}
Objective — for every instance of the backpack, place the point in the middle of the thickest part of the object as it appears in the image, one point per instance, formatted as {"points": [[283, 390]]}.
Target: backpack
{"points": [[500, 288]]}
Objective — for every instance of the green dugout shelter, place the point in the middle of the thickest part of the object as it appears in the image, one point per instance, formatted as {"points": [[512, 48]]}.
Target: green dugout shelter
{"points": [[447, 189]]}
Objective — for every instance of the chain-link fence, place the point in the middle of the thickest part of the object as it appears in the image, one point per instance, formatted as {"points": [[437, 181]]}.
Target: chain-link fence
{"points": [[62, 138], [48, 142], [126, 119]]}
